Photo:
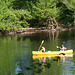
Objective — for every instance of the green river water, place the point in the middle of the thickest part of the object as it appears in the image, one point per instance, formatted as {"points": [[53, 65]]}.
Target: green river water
{"points": [[16, 54]]}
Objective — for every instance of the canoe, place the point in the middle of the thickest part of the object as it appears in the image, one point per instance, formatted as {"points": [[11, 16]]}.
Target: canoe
{"points": [[52, 52]]}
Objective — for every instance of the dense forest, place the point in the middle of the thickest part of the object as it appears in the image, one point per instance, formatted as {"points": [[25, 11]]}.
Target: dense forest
{"points": [[16, 14]]}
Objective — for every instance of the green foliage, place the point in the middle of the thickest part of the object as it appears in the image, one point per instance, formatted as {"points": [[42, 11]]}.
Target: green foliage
{"points": [[70, 4], [13, 19], [43, 9], [65, 15], [25, 13]]}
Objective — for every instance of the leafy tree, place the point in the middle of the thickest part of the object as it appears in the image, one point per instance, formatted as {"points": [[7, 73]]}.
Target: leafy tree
{"points": [[43, 10], [70, 4], [12, 19], [25, 13]]}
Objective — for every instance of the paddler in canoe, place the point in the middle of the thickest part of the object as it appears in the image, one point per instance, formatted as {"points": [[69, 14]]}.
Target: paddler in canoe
{"points": [[43, 49], [63, 48]]}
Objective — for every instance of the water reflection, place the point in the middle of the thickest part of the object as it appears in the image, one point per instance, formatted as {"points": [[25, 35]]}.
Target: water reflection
{"points": [[48, 34], [51, 39], [34, 36], [16, 57], [42, 63]]}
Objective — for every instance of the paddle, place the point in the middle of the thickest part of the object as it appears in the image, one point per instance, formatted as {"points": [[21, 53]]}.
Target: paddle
{"points": [[41, 44], [59, 47]]}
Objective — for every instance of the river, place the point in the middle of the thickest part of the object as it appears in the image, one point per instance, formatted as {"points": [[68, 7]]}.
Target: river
{"points": [[16, 54]]}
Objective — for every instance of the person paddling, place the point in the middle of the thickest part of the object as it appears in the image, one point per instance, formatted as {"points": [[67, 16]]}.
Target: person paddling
{"points": [[63, 48], [43, 49]]}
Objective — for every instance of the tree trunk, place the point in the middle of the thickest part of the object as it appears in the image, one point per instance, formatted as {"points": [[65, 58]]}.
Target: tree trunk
{"points": [[52, 23], [55, 21]]}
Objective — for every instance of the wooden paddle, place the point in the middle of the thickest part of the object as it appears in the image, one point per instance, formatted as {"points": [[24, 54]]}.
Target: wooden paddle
{"points": [[41, 44]]}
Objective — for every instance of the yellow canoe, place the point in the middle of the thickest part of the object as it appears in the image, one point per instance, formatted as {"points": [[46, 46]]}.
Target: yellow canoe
{"points": [[52, 52]]}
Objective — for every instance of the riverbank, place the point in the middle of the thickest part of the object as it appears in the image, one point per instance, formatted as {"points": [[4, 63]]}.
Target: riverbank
{"points": [[33, 30]]}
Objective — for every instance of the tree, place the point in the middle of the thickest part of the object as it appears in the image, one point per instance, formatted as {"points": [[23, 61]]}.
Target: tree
{"points": [[70, 4], [25, 13], [12, 19]]}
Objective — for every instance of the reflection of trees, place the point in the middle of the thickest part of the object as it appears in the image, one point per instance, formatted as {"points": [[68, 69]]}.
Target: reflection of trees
{"points": [[48, 34], [54, 34], [40, 65], [42, 35], [35, 67]]}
